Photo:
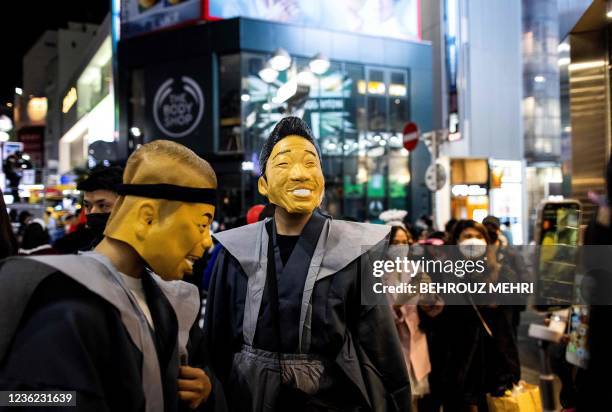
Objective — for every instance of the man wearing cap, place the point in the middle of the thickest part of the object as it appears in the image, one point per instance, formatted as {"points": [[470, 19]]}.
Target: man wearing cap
{"points": [[284, 316], [115, 324]]}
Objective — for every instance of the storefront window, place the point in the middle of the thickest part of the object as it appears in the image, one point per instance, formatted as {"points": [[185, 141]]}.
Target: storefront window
{"points": [[398, 101], [96, 80], [377, 101], [229, 104], [365, 166]]}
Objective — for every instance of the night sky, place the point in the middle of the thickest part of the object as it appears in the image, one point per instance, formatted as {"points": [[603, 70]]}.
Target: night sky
{"points": [[24, 22]]}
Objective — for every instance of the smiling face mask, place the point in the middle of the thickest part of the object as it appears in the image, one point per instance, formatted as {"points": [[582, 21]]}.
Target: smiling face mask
{"points": [[294, 179]]}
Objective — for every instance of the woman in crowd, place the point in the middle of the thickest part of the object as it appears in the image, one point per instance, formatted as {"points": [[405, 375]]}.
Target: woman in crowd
{"points": [[406, 314], [473, 351]]}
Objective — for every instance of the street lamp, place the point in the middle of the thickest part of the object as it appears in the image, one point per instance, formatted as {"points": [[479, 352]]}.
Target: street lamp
{"points": [[280, 60], [319, 64], [268, 74]]}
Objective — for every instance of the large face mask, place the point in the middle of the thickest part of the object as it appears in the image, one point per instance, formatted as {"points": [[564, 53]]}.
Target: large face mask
{"points": [[294, 179], [175, 239]]}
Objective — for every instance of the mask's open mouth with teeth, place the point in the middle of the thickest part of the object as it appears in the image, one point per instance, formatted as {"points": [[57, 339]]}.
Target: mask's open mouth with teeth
{"points": [[301, 192], [190, 261]]}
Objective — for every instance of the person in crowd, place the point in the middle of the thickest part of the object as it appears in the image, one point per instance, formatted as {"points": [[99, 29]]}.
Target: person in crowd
{"points": [[506, 230], [99, 196], [511, 261], [36, 240], [493, 225], [284, 317], [424, 226], [448, 229], [592, 383], [70, 223], [24, 218], [12, 214], [8, 242], [473, 351], [436, 238], [117, 325], [399, 233], [51, 223], [405, 309]]}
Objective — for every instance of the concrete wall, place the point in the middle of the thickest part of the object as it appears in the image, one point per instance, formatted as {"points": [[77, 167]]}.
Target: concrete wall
{"points": [[71, 45], [36, 63], [490, 80]]}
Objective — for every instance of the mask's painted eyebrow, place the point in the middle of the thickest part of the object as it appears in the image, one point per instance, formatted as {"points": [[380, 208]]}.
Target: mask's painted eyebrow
{"points": [[311, 152], [209, 216], [280, 153]]}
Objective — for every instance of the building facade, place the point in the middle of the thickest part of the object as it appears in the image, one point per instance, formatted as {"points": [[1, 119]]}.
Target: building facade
{"points": [[209, 86], [85, 109], [477, 101], [585, 64]]}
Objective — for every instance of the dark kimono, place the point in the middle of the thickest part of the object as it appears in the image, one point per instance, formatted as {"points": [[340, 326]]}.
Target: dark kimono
{"points": [[293, 333], [79, 329]]}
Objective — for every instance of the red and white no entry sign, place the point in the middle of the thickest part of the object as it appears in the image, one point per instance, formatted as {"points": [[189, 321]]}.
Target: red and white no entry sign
{"points": [[411, 136]]}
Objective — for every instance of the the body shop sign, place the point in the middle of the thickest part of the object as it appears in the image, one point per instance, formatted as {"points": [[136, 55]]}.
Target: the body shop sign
{"points": [[178, 106], [177, 102]]}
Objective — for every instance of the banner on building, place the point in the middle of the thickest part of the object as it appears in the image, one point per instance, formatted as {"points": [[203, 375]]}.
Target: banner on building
{"points": [[144, 16], [33, 144], [396, 18], [176, 102]]}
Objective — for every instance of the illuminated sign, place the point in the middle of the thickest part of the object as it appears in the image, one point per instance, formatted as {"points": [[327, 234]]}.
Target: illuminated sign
{"points": [[69, 100], [178, 106], [396, 19], [469, 190], [37, 109], [143, 16]]}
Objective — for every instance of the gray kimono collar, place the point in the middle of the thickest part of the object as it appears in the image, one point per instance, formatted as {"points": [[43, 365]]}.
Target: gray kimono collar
{"points": [[96, 273], [346, 242]]}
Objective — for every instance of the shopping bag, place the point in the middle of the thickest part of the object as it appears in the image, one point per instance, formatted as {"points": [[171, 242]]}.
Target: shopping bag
{"points": [[524, 397]]}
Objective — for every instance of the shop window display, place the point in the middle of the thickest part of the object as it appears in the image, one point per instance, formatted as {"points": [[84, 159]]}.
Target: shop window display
{"points": [[365, 165]]}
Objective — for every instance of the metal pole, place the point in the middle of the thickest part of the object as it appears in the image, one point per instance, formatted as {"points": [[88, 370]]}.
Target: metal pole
{"points": [[547, 378]]}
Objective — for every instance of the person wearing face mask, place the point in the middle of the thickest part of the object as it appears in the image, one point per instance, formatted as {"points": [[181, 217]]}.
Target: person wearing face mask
{"points": [[512, 266], [284, 316], [99, 196], [117, 324], [472, 347]]}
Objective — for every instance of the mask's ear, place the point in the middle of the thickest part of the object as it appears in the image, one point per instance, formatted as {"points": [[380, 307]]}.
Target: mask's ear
{"points": [[146, 217], [262, 186]]}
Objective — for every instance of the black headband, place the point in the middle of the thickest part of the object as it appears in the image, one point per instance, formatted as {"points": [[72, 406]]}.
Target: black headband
{"points": [[170, 192]]}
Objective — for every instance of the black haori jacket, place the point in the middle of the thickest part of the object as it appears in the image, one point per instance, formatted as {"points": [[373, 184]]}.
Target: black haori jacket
{"points": [[358, 343]]}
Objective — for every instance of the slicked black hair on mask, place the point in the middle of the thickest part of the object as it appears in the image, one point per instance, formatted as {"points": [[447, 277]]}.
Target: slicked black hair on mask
{"points": [[287, 126]]}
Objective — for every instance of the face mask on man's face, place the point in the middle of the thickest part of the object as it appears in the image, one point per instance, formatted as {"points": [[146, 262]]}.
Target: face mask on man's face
{"points": [[473, 248], [96, 222]]}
